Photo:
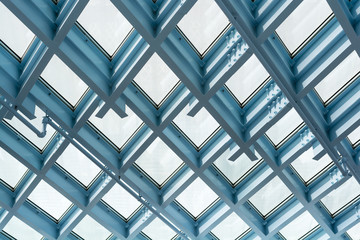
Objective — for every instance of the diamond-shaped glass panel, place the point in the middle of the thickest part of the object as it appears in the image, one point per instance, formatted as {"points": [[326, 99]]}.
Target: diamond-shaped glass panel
{"points": [[203, 23], [299, 227], [271, 196], [90, 229], [13, 32], [64, 81], [104, 22], [354, 136], [302, 23], [230, 228], [156, 79], [49, 200], [354, 232], [19, 230], [11, 170], [197, 197], [158, 230]]}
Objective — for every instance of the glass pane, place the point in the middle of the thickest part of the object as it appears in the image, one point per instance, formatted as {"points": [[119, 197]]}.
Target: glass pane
{"points": [[50, 200], [11, 170], [299, 227], [197, 197], [19, 230], [341, 196], [90, 229], [203, 23], [307, 167], [159, 161], [64, 80], [247, 79], [157, 230], [339, 78], [270, 196], [197, 128], [103, 21], [354, 136], [284, 127], [230, 228], [121, 201], [354, 232], [13, 32], [120, 132], [78, 165], [302, 22], [156, 79]]}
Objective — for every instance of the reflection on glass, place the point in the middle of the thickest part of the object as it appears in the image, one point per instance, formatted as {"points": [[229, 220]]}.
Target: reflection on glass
{"points": [[159, 161], [354, 136], [354, 232], [302, 22], [90, 229], [50, 200], [203, 23], [197, 128], [230, 228], [299, 227], [19, 230], [64, 80], [197, 197], [11, 170], [284, 127], [247, 79], [343, 195], [270, 196], [121, 201], [118, 130], [13, 32], [156, 79], [104, 22], [307, 167], [339, 78], [78, 165], [158, 230]]}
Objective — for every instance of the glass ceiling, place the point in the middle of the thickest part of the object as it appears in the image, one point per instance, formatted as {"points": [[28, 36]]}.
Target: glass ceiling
{"points": [[159, 172]]}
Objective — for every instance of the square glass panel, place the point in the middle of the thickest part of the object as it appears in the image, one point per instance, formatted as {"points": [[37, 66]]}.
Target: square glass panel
{"points": [[11, 170], [302, 23], [90, 229], [284, 128], [230, 228], [19, 230], [159, 162], [197, 197], [354, 232], [104, 22], [354, 137], [299, 227], [13, 32], [156, 79], [78, 165], [340, 197], [203, 24], [157, 230], [197, 128], [50, 200], [270, 197], [121, 201], [245, 81], [339, 78], [64, 81]]}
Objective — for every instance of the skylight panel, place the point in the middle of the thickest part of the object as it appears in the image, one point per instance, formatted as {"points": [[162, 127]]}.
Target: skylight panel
{"points": [[159, 162], [19, 230], [230, 228], [302, 23], [78, 165], [354, 137], [11, 170], [158, 230], [245, 81], [197, 197], [103, 21], [13, 32], [302, 225], [121, 201], [203, 23], [50, 200], [270, 197], [354, 232], [339, 78], [284, 128], [90, 229], [64, 81], [156, 79]]}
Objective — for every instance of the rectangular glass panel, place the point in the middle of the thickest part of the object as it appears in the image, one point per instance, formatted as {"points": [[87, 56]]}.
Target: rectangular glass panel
{"points": [[88, 228], [354, 137], [158, 230], [299, 227], [11, 170], [230, 228], [19, 230]]}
